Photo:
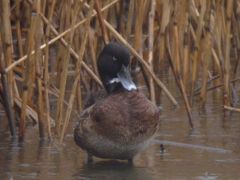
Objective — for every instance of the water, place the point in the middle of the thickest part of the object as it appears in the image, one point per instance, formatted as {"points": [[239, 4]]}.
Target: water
{"points": [[210, 151]]}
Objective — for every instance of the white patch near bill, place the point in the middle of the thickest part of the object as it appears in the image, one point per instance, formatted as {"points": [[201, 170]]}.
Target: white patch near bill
{"points": [[114, 80]]}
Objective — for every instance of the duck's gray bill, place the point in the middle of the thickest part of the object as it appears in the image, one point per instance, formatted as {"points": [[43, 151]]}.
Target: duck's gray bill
{"points": [[125, 78]]}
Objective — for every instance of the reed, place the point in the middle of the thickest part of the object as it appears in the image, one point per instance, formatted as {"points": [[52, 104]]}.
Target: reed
{"points": [[100, 18], [49, 49], [196, 53], [38, 37], [6, 50], [229, 108], [150, 47], [78, 66], [63, 62], [206, 55], [46, 71], [28, 76], [177, 72], [227, 94]]}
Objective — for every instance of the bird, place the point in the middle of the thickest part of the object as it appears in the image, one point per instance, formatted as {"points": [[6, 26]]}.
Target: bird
{"points": [[122, 123]]}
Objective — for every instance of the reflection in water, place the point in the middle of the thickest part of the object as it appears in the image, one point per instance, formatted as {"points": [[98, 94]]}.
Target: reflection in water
{"points": [[188, 154], [112, 170]]}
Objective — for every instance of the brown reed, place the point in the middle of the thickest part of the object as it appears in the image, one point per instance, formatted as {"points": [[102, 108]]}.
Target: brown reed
{"points": [[78, 68], [50, 49], [227, 94], [150, 47], [6, 50]]}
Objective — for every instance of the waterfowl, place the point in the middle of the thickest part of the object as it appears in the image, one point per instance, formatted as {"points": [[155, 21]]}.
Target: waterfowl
{"points": [[123, 123]]}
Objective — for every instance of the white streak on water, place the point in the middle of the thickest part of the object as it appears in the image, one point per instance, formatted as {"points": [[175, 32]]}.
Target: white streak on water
{"points": [[206, 148]]}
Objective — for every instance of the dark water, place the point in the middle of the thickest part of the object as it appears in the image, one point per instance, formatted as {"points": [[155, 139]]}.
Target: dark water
{"points": [[210, 151]]}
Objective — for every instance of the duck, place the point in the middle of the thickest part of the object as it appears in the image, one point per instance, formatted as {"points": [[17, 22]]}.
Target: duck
{"points": [[122, 123]]}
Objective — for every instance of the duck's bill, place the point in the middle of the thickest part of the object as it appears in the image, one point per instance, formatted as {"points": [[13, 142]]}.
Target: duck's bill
{"points": [[125, 79]]}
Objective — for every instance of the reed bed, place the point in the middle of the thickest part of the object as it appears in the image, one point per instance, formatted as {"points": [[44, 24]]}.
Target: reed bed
{"points": [[49, 48]]}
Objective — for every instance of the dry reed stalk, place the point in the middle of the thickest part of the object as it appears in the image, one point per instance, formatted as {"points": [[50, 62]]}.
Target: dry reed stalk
{"points": [[146, 8], [237, 36], [206, 55], [130, 20], [100, 19], [44, 5], [69, 109], [92, 43], [176, 51], [183, 32], [150, 47], [178, 76], [30, 112], [219, 29], [211, 79], [229, 108], [164, 20], [186, 60], [6, 34], [38, 58], [119, 10], [73, 53], [6, 46], [196, 54], [46, 72], [142, 61], [161, 22], [217, 45], [59, 36], [199, 46], [79, 96], [63, 64], [105, 3], [138, 40], [27, 84], [227, 92], [216, 86], [62, 52], [31, 72], [236, 43], [77, 72], [181, 11], [8, 105], [18, 25], [217, 61]]}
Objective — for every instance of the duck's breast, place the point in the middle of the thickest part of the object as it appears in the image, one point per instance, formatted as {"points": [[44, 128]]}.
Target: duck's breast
{"points": [[127, 117], [119, 126]]}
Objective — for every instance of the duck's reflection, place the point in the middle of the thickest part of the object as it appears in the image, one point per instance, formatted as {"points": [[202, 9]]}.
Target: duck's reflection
{"points": [[112, 169]]}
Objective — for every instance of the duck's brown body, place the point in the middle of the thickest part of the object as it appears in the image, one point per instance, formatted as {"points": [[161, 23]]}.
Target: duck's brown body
{"points": [[118, 126]]}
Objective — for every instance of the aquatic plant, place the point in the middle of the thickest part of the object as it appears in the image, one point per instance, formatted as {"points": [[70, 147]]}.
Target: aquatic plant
{"points": [[48, 49]]}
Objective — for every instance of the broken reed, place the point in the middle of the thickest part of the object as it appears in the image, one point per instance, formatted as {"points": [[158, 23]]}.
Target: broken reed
{"points": [[49, 48]]}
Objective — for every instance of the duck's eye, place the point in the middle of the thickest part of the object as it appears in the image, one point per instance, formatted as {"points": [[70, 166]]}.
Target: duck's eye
{"points": [[114, 58]]}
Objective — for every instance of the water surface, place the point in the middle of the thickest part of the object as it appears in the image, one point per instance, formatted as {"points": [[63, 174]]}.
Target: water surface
{"points": [[210, 151]]}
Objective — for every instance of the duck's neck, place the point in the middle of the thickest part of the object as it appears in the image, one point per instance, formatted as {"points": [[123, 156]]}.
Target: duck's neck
{"points": [[113, 87]]}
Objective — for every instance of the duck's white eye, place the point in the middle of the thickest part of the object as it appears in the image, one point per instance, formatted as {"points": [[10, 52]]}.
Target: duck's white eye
{"points": [[114, 58]]}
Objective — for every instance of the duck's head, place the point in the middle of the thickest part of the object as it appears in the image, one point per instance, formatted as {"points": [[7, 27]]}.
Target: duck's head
{"points": [[114, 68]]}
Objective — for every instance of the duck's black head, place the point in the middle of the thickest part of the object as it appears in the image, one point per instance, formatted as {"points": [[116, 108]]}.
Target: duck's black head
{"points": [[114, 67]]}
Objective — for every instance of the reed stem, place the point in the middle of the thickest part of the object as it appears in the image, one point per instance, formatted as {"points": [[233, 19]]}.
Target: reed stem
{"points": [[38, 58], [150, 47], [227, 94], [77, 72]]}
